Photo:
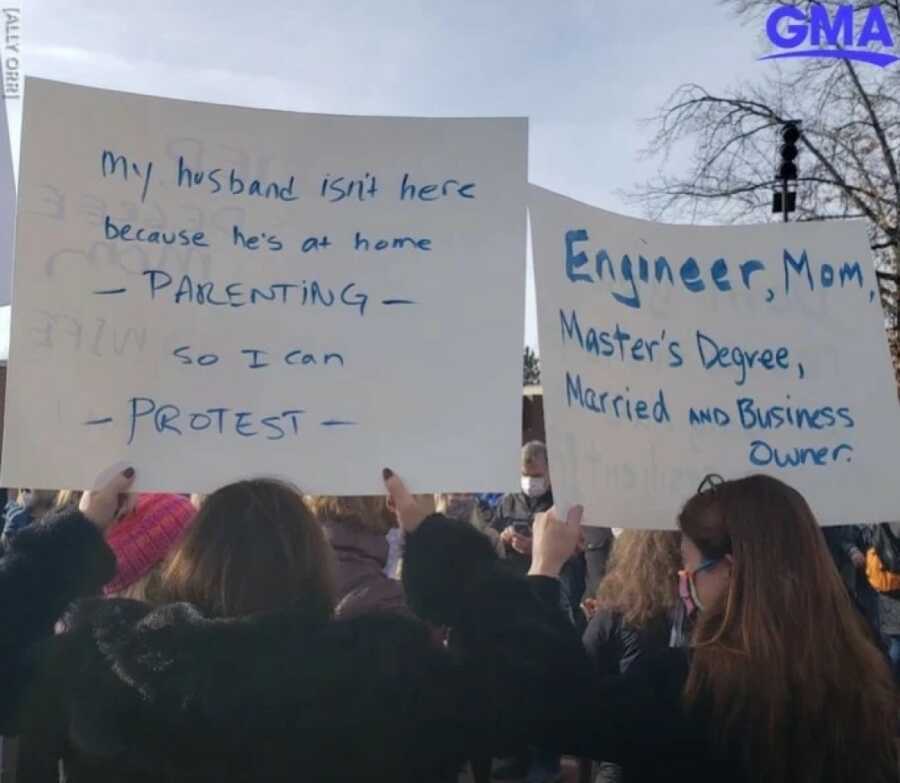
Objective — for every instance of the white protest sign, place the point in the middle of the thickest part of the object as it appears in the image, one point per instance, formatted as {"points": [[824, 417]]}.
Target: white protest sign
{"points": [[669, 352], [5, 316], [7, 225], [7, 211], [210, 292]]}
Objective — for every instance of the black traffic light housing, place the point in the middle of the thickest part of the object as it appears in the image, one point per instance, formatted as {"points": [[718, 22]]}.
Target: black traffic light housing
{"points": [[784, 200], [790, 135]]}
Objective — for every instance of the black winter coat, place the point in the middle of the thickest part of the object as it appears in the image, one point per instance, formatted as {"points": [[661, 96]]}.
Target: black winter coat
{"points": [[132, 693], [40, 574], [613, 645]]}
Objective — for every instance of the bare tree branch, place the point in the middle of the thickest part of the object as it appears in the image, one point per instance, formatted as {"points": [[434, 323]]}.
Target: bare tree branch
{"points": [[850, 138]]}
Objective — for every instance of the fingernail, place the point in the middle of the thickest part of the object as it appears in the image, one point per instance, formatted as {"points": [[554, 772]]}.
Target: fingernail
{"points": [[128, 472], [387, 473]]}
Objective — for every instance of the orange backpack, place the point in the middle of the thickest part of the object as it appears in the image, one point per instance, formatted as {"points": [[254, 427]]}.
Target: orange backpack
{"points": [[879, 577]]}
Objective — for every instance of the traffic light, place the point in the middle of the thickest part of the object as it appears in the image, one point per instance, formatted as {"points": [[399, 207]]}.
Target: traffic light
{"points": [[790, 135], [784, 200]]}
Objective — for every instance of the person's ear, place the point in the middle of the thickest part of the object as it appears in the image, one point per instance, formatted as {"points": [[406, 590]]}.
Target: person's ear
{"points": [[729, 561]]}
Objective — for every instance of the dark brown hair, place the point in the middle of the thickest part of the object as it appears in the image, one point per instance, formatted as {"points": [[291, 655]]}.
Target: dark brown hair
{"points": [[641, 582], [783, 660], [254, 546]]}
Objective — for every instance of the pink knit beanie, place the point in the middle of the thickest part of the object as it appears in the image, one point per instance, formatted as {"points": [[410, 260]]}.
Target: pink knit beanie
{"points": [[144, 537]]}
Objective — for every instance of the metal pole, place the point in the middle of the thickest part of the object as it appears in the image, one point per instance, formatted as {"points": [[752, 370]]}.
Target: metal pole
{"points": [[784, 199]]}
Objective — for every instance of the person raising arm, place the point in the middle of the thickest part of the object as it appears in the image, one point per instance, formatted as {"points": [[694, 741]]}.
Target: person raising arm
{"points": [[781, 682], [46, 567]]}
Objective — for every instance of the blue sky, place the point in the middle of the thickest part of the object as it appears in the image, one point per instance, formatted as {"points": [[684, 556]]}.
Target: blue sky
{"points": [[584, 71]]}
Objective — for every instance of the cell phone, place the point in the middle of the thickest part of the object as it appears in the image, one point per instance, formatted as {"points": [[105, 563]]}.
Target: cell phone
{"points": [[522, 528]]}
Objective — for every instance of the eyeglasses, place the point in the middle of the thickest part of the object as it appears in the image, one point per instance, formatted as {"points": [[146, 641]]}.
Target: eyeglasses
{"points": [[710, 482], [704, 566], [687, 585]]}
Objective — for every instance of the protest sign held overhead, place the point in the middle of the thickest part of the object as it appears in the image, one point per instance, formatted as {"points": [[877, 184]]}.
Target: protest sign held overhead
{"points": [[670, 352], [7, 218], [201, 288]]}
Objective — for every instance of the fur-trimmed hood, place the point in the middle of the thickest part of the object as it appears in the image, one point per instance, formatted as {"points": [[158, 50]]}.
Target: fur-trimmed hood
{"points": [[167, 694]]}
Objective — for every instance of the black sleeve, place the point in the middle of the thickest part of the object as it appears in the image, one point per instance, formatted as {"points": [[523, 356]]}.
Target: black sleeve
{"points": [[520, 657], [46, 567], [865, 535], [634, 718], [600, 644], [850, 540], [37, 762], [547, 590]]}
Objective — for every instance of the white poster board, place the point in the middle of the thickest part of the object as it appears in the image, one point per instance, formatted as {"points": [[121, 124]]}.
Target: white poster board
{"points": [[340, 294], [7, 212], [670, 352], [5, 317]]}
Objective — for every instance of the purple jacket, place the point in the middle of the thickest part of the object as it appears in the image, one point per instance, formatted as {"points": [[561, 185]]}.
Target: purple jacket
{"points": [[362, 585]]}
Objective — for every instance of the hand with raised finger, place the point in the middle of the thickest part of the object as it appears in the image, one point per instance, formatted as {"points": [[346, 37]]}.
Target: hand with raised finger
{"points": [[409, 509], [103, 506]]}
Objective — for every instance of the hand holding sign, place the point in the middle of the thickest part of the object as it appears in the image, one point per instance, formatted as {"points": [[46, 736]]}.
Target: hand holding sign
{"points": [[555, 541], [104, 505], [410, 510]]}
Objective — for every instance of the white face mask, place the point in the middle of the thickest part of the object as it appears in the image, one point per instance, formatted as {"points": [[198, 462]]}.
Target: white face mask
{"points": [[534, 486]]}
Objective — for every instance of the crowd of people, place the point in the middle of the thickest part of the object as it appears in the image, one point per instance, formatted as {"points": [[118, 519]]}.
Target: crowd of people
{"points": [[262, 634]]}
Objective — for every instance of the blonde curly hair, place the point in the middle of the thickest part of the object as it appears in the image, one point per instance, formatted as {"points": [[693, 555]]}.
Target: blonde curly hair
{"points": [[641, 582], [368, 511]]}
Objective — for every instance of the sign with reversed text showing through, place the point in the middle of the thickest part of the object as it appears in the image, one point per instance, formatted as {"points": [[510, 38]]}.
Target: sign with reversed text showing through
{"points": [[210, 292]]}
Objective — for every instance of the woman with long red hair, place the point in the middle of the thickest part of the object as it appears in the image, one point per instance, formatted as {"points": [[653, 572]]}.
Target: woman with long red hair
{"points": [[782, 681], [785, 665]]}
